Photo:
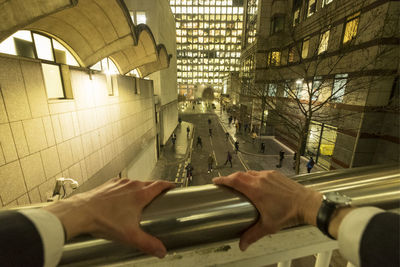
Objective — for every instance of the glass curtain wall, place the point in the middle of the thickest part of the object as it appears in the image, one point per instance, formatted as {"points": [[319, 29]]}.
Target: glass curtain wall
{"points": [[321, 143], [209, 34]]}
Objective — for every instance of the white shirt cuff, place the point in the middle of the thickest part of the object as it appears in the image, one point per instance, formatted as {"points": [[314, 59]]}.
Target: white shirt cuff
{"points": [[351, 230], [51, 232]]}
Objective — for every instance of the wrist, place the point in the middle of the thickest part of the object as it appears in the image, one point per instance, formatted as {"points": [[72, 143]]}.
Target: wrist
{"points": [[309, 206], [71, 212]]}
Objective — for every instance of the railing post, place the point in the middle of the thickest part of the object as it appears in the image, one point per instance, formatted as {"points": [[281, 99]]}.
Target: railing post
{"points": [[284, 263], [349, 264], [323, 259]]}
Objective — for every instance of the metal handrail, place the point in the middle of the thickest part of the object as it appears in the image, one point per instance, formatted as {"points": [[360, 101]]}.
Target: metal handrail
{"points": [[202, 214]]}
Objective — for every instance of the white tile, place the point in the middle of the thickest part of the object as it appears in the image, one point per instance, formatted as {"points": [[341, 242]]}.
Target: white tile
{"points": [[12, 183], [56, 128], [76, 149], [65, 153], [20, 139], [23, 200], [3, 113], [13, 89], [34, 195], [51, 162], [48, 129], [7, 143], [32, 167], [67, 126], [35, 88], [35, 135]]}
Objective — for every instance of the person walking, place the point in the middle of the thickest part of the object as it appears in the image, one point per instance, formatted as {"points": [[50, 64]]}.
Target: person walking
{"points": [[179, 120], [230, 120], [262, 147], [281, 157], [236, 146], [210, 131], [199, 142], [189, 172], [310, 164], [253, 137], [173, 139], [210, 162], [187, 131], [228, 158], [227, 136], [209, 121]]}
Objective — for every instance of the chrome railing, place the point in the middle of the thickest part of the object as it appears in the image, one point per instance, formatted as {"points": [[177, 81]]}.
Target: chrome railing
{"points": [[197, 215]]}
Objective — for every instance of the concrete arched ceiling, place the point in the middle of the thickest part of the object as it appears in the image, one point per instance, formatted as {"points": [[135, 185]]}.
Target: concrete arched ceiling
{"points": [[162, 62], [135, 56], [93, 29]]}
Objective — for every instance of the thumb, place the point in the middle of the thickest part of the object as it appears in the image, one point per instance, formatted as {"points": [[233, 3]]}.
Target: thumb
{"points": [[148, 244], [251, 235]]}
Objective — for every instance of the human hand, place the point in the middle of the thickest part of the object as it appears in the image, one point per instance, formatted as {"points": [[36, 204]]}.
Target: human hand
{"points": [[280, 201], [112, 211]]}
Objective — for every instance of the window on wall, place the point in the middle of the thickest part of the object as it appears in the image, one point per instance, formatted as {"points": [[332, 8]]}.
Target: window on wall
{"points": [[274, 58], [140, 17], [312, 7], [350, 29], [339, 87], [316, 87], [323, 43], [278, 24], [286, 88], [272, 87], [326, 2], [304, 48], [296, 17]]}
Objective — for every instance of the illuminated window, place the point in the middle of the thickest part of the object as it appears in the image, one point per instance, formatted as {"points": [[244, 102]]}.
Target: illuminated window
{"points": [[274, 58], [312, 7], [304, 48], [296, 17], [52, 81], [323, 43], [140, 17], [339, 87], [43, 47], [272, 87], [351, 27], [316, 87]]}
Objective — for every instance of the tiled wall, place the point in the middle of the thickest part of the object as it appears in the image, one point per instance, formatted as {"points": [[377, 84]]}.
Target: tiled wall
{"points": [[41, 139]]}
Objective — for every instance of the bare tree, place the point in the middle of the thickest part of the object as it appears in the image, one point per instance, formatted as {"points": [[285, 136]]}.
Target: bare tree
{"points": [[314, 81]]}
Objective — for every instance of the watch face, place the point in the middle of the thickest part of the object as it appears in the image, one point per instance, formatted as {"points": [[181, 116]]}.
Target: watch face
{"points": [[337, 198]]}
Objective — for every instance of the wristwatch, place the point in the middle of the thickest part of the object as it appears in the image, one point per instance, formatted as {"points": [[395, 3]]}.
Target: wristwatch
{"points": [[330, 202]]}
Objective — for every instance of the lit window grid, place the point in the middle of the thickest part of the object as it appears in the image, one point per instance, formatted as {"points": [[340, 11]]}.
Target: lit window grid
{"points": [[200, 34]]}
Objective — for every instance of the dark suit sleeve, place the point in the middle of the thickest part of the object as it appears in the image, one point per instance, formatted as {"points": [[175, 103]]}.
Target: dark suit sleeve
{"points": [[380, 241], [20, 242]]}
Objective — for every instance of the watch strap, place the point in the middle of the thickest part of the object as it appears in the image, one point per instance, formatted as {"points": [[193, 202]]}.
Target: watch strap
{"points": [[324, 216]]}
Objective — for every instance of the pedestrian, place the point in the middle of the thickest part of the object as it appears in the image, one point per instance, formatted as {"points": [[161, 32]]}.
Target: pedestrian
{"points": [[310, 164], [189, 172], [199, 142], [236, 146], [228, 158], [188, 131], [193, 107], [210, 131], [173, 138], [281, 157], [210, 162], [179, 120], [253, 137], [227, 136], [209, 121], [230, 120], [262, 147]]}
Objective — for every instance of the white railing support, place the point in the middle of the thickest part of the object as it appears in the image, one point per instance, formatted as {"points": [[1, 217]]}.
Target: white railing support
{"points": [[323, 259]]}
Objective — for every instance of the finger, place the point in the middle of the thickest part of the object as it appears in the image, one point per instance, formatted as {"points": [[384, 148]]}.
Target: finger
{"points": [[148, 244], [155, 188], [251, 235]]}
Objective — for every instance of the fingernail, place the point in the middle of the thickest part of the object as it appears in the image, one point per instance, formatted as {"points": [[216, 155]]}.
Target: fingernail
{"points": [[244, 246], [160, 254]]}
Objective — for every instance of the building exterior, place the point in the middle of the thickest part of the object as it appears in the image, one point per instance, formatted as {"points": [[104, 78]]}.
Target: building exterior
{"points": [[209, 34], [66, 107], [162, 24], [323, 77]]}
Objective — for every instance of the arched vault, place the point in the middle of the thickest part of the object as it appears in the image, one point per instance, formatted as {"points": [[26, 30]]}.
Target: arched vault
{"points": [[93, 29], [162, 62]]}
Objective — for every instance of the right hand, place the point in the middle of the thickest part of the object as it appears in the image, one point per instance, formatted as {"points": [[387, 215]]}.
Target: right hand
{"points": [[280, 201]]}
